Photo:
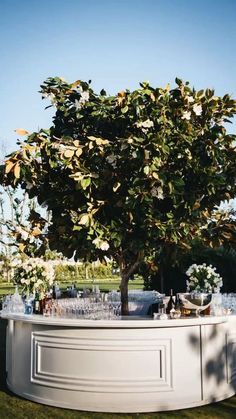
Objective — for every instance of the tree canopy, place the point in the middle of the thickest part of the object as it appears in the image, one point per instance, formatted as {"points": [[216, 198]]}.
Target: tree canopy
{"points": [[125, 175]]}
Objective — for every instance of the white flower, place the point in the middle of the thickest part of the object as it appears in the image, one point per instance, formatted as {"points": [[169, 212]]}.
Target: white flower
{"points": [[154, 191], [203, 277], [190, 99], [24, 234], [112, 160], [84, 97], [77, 104], [147, 124], [186, 115], [51, 97], [197, 109], [38, 283], [157, 192], [104, 245], [101, 244], [34, 273], [29, 186]]}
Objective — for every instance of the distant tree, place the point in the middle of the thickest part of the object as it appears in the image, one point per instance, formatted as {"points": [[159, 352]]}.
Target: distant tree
{"points": [[131, 175]]}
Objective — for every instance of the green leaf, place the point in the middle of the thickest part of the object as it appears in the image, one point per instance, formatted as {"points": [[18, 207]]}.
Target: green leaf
{"points": [[125, 109], [77, 228], [170, 187], [85, 182], [179, 82], [146, 170], [200, 94]]}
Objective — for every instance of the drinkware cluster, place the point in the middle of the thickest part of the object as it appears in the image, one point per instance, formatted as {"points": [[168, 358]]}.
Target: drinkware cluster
{"points": [[97, 305], [86, 305], [172, 307]]}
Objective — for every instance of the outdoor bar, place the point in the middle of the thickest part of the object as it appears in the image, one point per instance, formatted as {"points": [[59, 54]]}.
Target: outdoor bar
{"points": [[134, 364]]}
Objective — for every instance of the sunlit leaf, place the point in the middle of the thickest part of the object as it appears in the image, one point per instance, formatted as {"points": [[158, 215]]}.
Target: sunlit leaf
{"points": [[79, 152], [146, 170], [155, 175], [116, 186], [21, 131], [9, 165], [21, 247], [68, 154], [17, 171], [36, 231], [84, 219], [76, 83]]}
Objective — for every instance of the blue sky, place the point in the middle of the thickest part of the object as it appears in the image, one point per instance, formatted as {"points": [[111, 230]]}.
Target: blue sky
{"points": [[116, 43]]}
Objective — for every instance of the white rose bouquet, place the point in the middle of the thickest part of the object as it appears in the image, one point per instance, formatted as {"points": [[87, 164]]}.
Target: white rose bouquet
{"points": [[203, 278], [34, 274]]}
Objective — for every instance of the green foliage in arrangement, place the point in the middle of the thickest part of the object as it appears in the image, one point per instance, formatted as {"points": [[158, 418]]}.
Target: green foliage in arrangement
{"points": [[129, 175]]}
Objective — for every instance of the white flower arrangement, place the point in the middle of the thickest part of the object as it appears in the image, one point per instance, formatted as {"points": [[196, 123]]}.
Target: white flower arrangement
{"points": [[203, 278], [34, 274]]}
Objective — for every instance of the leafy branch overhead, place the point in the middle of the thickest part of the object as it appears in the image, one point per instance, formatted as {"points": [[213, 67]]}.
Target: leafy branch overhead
{"points": [[124, 175]]}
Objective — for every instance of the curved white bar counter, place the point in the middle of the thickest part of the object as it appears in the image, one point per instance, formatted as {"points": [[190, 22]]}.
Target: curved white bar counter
{"points": [[127, 365]]}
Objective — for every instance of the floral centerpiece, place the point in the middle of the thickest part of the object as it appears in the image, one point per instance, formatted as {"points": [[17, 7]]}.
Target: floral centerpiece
{"points": [[203, 278], [34, 275]]}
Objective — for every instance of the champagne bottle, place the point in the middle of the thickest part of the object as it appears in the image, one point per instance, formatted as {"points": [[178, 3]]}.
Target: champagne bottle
{"points": [[171, 304], [178, 306], [36, 308], [54, 294], [41, 302]]}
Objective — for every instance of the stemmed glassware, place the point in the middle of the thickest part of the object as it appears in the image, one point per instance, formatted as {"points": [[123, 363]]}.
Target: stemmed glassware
{"points": [[83, 308]]}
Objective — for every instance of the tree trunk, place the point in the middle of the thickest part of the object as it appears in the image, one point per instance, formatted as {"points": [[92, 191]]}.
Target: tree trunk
{"points": [[124, 294], [126, 270]]}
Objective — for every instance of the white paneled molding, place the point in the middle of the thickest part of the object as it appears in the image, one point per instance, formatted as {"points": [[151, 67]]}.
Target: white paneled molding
{"points": [[138, 365]]}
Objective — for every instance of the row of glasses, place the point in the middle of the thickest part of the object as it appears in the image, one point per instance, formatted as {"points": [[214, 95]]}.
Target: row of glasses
{"points": [[82, 308], [229, 302], [13, 303], [223, 304], [100, 305]]}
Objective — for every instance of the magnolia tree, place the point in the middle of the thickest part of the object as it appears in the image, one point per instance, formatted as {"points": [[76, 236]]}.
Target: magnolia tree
{"points": [[127, 175]]}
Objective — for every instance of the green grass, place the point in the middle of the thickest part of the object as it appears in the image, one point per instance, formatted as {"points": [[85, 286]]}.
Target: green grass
{"points": [[14, 407], [107, 284]]}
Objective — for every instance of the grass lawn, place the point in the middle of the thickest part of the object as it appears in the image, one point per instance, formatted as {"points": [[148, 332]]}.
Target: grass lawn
{"points": [[107, 284], [13, 407]]}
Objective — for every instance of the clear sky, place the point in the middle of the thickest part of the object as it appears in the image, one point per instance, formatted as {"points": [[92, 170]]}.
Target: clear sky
{"points": [[116, 43]]}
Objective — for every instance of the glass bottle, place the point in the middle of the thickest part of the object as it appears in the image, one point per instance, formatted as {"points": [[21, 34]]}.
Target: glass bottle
{"points": [[41, 302], [162, 312], [36, 307], [54, 294], [178, 307], [171, 303]]}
